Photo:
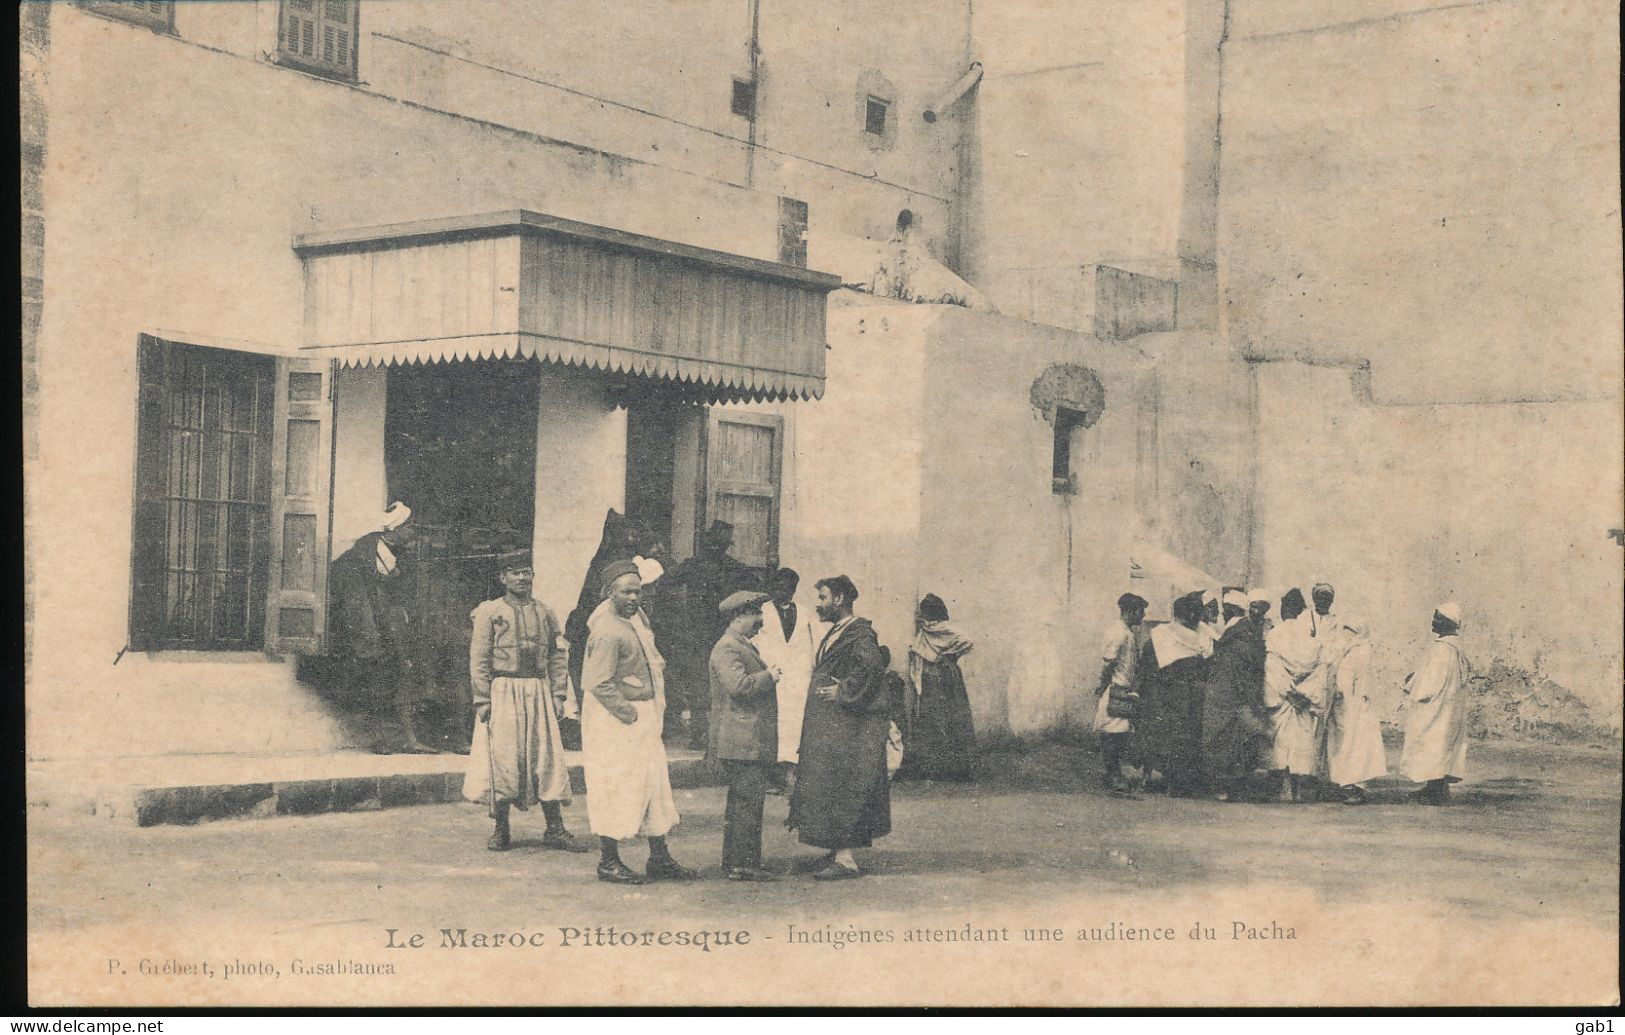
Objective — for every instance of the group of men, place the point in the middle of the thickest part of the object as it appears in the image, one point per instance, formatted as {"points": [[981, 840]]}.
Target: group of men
{"points": [[520, 674], [1222, 701]]}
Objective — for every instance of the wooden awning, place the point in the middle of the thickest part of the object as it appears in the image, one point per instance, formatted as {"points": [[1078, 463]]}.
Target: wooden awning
{"points": [[519, 284]]}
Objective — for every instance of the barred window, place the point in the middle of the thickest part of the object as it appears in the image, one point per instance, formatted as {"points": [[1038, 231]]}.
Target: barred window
{"points": [[319, 35], [203, 498], [154, 14]]}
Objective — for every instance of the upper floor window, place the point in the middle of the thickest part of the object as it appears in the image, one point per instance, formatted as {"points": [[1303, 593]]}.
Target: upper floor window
{"points": [[874, 116], [744, 99], [154, 14], [319, 35]]}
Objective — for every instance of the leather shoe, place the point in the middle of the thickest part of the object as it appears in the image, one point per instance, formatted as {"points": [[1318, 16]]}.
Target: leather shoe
{"points": [[618, 872], [563, 841], [752, 873], [668, 869], [498, 842], [837, 872]]}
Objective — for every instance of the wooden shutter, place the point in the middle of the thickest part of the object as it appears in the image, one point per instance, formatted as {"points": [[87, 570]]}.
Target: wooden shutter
{"points": [[155, 14], [301, 481], [743, 458], [151, 488], [320, 35]]}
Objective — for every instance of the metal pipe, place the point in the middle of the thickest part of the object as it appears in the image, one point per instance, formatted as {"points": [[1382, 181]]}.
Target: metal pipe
{"points": [[949, 97]]}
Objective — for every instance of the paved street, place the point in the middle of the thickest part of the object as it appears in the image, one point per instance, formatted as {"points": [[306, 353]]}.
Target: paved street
{"points": [[1526, 858]]}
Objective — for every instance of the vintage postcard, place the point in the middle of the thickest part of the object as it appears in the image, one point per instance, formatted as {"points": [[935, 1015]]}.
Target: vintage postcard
{"points": [[1035, 503]]}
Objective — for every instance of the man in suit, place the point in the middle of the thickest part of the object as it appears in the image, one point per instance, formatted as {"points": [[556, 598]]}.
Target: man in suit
{"points": [[744, 732], [842, 799]]}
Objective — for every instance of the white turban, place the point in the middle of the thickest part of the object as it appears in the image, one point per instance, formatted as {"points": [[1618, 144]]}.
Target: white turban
{"points": [[1236, 598], [1451, 610], [397, 515], [1259, 596]]}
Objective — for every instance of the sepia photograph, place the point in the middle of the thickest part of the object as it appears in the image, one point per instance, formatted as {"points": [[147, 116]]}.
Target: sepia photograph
{"points": [[858, 503]]}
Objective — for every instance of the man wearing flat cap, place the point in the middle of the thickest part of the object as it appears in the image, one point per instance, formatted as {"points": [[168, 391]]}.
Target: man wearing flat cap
{"points": [[1436, 708], [373, 634], [519, 676], [744, 731], [623, 700]]}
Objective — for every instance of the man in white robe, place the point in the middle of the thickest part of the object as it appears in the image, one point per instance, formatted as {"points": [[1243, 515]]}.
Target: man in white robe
{"points": [[1322, 622], [1354, 751], [623, 702], [1294, 694], [1435, 752], [788, 639]]}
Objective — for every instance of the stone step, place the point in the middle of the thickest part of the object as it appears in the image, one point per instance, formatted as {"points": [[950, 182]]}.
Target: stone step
{"points": [[184, 789]]}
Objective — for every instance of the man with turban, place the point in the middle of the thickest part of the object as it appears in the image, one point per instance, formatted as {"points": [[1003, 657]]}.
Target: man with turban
{"points": [[373, 634], [1173, 683], [1320, 618], [520, 682], [1235, 608], [624, 697], [1354, 751], [1435, 752], [1294, 694], [1236, 729]]}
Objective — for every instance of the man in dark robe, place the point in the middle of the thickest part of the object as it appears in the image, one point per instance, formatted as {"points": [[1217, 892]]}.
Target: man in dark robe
{"points": [[1236, 729], [704, 580], [842, 798], [1173, 669], [373, 636]]}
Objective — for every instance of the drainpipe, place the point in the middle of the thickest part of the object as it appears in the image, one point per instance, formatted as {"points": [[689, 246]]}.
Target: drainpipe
{"points": [[755, 90], [949, 97]]}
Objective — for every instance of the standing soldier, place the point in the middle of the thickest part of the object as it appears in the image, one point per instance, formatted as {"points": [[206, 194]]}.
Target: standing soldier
{"points": [[373, 636], [519, 677]]}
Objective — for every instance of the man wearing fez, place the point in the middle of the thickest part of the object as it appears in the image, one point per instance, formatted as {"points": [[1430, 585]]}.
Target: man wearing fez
{"points": [[520, 678], [705, 579], [372, 628], [842, 798], [624, 697], [744, 732]]}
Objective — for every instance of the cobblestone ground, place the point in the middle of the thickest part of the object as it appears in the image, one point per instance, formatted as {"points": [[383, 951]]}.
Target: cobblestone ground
{"points": [[1510, 894]]}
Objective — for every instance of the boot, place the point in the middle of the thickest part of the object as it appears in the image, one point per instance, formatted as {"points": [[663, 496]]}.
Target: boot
{"points": [[662, 866], [610, 867]]}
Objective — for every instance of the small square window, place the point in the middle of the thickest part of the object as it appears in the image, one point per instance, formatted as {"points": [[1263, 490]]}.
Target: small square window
{"points": [[874, 119], [744, 99]]}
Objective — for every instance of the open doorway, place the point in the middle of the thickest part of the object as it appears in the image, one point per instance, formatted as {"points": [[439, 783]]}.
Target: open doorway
{"points": [[460, 449]]}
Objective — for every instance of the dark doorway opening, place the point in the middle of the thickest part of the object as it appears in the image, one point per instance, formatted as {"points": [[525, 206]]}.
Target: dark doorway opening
{"points": [[460, 450]]}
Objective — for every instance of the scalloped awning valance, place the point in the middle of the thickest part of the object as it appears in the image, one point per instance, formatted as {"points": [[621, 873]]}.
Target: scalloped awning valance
{"points": [[523, 285]]}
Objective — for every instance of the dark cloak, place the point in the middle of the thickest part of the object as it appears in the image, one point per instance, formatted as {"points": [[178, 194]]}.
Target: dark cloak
{"points": [[1235, 726], [842, 798], [939, 736], [1168, 730]]}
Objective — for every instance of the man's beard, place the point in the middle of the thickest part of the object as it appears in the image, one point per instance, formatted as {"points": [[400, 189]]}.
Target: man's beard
{"points": [[827, 614]]}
